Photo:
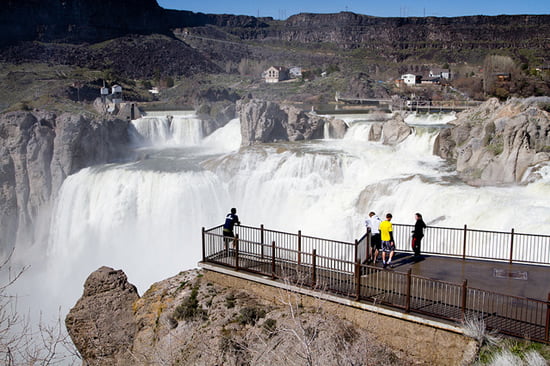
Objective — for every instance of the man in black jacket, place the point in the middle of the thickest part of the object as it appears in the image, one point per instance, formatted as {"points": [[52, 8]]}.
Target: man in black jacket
{"points": [[230, 220]]}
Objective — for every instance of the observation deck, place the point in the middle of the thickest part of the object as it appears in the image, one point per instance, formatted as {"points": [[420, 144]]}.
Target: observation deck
{"points": [[498, 277]]}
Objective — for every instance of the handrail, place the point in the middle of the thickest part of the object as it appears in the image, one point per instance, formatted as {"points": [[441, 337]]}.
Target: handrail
{"points": [[334, 270], [510, 247]]}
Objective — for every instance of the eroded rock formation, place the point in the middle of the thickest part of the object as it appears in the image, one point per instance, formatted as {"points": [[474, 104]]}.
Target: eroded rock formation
{"points": [[265, 121], [499, 143], [102, 323], [395, 131], [187, 320], [38, 151]]}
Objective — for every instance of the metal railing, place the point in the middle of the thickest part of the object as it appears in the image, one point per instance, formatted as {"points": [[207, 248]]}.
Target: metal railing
{"points": [[500, 246], [335, 267]]}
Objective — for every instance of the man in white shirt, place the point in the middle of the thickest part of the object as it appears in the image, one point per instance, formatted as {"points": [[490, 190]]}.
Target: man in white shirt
{"points": [[373, 223]]}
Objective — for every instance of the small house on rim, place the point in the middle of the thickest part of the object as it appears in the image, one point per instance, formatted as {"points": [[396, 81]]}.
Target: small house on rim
{"points": [[411, 79], [275, 74], [440, 73]]}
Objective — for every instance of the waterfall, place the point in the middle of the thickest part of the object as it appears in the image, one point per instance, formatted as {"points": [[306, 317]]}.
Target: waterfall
{"points": [[146, 217], [172, 129]]}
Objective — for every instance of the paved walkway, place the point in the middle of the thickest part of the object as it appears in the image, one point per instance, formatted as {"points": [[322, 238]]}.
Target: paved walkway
{"points": [[511, 279]]}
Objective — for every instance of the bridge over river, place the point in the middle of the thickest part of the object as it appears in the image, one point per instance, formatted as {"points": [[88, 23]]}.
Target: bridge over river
{"points": [[501, 278]]}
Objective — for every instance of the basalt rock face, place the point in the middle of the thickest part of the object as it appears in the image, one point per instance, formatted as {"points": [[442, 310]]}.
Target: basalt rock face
{"points": [[38, 151], [86, 21], [78, 20], [499, 143], [265, 121], [102, 323], [351, 30]]}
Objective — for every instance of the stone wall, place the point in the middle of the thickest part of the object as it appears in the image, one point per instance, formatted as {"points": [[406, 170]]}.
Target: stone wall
{"points": [[426, 343]]}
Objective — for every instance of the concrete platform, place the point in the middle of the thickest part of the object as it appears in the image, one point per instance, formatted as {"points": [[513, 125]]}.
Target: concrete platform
{"points": [[510, 279]]}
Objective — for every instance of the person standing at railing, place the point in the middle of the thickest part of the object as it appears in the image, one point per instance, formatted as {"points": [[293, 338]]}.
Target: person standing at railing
{"points": [[230, 221], [388, 244], [418, 234], [373, 224]]}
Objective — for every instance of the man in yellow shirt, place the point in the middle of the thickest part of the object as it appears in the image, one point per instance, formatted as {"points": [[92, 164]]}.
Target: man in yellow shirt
{"points": [[388, 245]]}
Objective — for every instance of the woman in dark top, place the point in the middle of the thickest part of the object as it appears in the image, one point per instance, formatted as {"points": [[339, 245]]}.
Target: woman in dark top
{"points": [[418, 234]]}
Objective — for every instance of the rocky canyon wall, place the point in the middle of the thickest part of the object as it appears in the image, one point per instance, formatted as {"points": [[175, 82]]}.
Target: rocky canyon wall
{"points": [[38, 151], [499, 143]]}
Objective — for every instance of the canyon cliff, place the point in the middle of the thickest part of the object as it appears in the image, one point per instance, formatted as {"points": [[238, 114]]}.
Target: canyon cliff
{"points": [[38, 151], [59, 26], [499, 143]]}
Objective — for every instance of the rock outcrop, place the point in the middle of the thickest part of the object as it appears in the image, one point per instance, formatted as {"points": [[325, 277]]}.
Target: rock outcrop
{"points": [[186, 320], [215, 107], [498, 143], [395, 131], [102, 323], [265, 121], [38, 151]]}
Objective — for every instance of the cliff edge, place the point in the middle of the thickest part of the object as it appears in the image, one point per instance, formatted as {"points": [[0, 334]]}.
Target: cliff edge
{"points": [[186, 320], [38, 150], [499, 143]]}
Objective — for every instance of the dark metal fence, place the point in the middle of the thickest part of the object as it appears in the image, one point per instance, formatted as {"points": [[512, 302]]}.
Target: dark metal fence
{"points": [[336, 267], [508, 247]]}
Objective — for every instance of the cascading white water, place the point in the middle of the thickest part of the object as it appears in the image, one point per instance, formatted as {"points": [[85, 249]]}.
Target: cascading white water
{"points": [[145, 217], [179, 128]]}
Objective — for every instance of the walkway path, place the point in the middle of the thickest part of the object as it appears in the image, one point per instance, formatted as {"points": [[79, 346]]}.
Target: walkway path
{"points": [[512, 279]]}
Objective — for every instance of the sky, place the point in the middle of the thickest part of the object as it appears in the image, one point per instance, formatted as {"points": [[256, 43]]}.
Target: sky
{"points": [[282, 9]]}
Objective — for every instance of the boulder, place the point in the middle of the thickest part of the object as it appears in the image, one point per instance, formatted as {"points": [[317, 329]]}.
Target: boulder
{"points": [[102, 323], [337, 128], [395, 131]]}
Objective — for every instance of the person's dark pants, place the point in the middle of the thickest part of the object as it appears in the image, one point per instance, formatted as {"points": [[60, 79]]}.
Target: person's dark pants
{"points": [[228, 237], [416, 246], [376, 246]]}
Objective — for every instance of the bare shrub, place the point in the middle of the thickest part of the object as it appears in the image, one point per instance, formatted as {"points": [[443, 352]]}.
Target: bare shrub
{"points": [[21, 343], [475, 328]]}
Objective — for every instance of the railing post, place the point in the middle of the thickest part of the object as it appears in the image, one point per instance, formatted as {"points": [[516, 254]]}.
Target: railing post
{"points": [[236, 244], [547, 333], [262, 240], [408, 299], [463, 302], [357, 280], [464, 244], [511, 245], [299, 247], [356, 250], [314, 268], [203, 245], [273, 260]]}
